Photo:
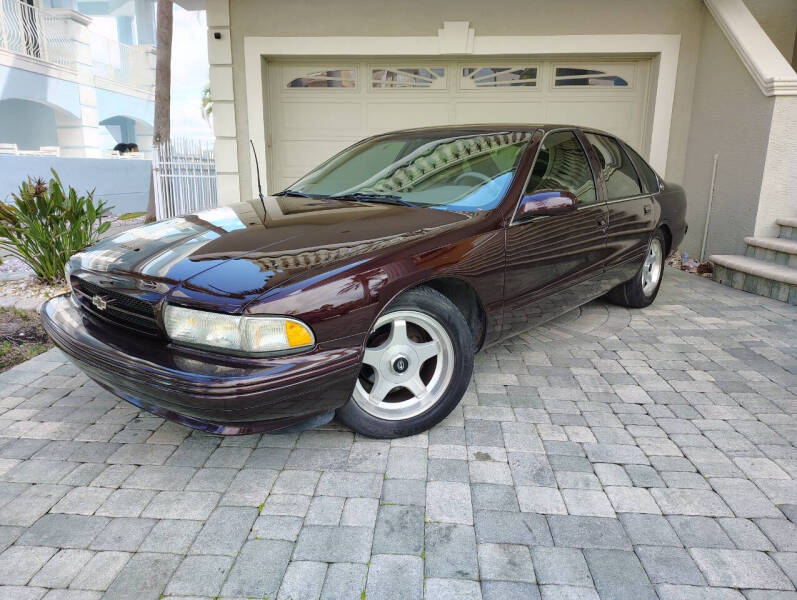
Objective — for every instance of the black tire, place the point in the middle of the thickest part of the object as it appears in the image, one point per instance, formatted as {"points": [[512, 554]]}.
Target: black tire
{"points": [[434, 304], [632, 293]]}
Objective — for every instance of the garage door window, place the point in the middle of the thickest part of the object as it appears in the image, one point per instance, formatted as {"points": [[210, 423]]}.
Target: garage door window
{"points": [[570, 76], [330, 78], [497, 77], [408, 77], [618, 172]]}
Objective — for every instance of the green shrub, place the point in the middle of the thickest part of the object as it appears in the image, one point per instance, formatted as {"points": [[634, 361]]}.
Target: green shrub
{"points": [[46, 225]]}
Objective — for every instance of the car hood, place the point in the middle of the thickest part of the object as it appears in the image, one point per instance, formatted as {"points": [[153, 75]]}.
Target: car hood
{"points": [[241, 250]]}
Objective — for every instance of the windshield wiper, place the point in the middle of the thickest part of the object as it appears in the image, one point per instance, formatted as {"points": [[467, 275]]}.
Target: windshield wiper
{"points": [[295, 193], [381, 198]]}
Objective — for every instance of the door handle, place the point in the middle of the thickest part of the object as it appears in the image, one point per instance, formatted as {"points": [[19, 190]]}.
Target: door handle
{"points": [[647, 209], [602, 223]]}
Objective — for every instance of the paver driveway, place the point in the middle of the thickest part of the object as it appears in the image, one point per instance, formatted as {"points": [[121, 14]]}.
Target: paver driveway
{"points": [[613, 454]]}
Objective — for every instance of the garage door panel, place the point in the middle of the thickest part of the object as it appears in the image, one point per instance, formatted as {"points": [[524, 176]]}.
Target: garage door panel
{"points": [[301, 153], [317, 109], [620, 118], [499, 112], [387, 116], [330, 119], [283, 182]]}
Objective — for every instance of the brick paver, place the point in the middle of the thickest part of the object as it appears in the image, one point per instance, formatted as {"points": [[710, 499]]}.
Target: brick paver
{"points": [[611, 454]]}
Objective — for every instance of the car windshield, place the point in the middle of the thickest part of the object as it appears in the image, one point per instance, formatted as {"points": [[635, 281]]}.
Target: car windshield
{"points": [[469, 172]]}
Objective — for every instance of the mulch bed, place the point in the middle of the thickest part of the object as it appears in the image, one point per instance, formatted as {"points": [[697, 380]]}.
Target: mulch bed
{"points": [[21, 337]]}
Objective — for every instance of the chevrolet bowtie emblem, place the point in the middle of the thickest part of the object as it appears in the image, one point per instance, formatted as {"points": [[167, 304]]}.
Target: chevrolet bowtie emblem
{"points": [[99, 302]]}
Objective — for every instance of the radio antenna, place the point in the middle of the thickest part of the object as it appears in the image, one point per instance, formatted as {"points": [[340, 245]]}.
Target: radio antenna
{"points": [[259, 186]]}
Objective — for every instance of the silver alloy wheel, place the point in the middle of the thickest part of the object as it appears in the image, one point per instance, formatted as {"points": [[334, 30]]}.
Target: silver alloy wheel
{"points": [[651, 270], [401, 380]]}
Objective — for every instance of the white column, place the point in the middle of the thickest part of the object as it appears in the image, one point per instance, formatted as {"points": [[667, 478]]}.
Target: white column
{"points": [[144, 138], [80, 139], [779, 177], [69, 132], [145, 22], [221, 90]]}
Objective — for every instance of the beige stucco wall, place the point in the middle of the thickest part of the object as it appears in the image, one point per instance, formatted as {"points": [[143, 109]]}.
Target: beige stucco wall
{"points": [[779, 19], [730, 117], [498, 17]]}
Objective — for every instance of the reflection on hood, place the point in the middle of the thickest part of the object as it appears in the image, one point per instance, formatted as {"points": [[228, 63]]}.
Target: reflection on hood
{"points": [[259, 250]]}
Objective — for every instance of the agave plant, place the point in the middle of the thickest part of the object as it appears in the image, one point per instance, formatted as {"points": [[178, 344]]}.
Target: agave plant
{"points": [[46, 224]]}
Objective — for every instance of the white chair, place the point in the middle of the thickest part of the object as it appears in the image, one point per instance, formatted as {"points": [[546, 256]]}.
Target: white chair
{"points": [[8, 149]]}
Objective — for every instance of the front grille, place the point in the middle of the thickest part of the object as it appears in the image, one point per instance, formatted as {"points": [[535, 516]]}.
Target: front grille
{"points": [[120, 309]]}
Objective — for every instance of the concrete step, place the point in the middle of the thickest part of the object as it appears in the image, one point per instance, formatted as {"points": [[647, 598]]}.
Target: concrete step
{"points": [[787, 227], [756, 276], [774, 250]]}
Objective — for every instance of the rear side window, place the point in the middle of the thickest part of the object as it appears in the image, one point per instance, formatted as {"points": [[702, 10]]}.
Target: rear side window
{"points": [[562, 165], [643, 168], [618, 172]]}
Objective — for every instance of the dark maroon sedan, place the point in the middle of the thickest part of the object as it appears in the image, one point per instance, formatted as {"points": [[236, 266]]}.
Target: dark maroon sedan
{"points": [[366, 287]]}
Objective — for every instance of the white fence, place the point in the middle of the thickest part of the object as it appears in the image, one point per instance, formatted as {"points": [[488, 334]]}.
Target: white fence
{"points": [[35, 32], [184, 176]]}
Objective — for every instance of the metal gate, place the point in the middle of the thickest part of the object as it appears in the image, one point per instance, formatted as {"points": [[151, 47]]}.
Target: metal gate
{"points": [[184, 177]]}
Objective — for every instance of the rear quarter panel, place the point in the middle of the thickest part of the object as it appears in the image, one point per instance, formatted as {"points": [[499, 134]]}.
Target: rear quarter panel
{"points": [[672, 201]]}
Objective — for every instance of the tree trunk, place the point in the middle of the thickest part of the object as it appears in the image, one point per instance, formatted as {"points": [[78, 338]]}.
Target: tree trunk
{"points": [[163, 85]]}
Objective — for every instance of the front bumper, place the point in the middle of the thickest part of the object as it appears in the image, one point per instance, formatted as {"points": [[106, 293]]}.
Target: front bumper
{"points": [[214, 393]]}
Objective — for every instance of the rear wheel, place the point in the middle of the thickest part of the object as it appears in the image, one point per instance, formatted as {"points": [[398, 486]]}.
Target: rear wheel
{"points": [[417, 364], [641, 290]]}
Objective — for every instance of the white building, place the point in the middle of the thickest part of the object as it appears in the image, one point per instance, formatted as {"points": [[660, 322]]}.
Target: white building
{"points": [[76, 77]]}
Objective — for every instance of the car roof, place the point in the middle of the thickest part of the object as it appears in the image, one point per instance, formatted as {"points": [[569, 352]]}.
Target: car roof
{"points": [[467, 128]]}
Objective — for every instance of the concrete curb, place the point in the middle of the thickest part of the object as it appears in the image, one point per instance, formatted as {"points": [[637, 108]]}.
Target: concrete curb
{"points": [[14, 276], [21, 303]]}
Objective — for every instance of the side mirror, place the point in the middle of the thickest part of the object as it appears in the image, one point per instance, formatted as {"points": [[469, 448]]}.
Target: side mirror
{"points": [[546, 203]]}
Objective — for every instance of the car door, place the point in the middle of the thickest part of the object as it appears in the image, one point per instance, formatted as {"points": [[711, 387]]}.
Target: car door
{"points": [[632, 212], [550, 260]]}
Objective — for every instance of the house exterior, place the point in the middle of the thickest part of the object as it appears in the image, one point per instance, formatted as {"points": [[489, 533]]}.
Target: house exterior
{"points": [[683, 81], [66, 88]]}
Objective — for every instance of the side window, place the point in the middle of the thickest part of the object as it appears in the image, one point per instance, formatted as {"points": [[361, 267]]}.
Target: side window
{"points": [[562, 165], [643, 168], [618, 172]]}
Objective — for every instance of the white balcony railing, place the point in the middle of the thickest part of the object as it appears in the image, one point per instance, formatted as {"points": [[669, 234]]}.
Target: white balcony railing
{"points": [[45, 34], [120, 62], [35, 32]]}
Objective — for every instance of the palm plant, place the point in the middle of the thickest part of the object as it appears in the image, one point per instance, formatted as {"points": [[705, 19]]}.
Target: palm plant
{"points": [[207, 103], [46, 224]]}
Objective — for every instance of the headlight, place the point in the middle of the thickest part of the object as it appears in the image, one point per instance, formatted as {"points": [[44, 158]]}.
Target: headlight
{"points": [[231, 333]]}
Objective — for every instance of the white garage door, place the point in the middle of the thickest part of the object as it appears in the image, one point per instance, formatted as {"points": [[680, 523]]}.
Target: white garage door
{"points": [[316, 109]]}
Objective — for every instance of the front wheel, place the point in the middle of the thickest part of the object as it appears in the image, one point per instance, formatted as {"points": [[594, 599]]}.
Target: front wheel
{"points": [[417, 364], [641, 290]]}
